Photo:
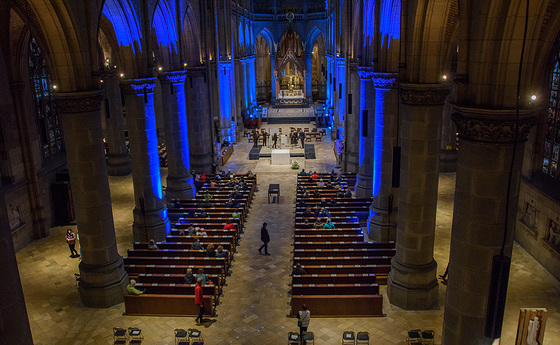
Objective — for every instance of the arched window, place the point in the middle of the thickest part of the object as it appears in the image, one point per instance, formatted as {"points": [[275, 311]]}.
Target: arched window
{"points": [[45, 111], [552, 131]]}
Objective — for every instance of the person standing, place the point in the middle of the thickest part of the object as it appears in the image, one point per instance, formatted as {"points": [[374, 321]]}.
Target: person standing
{"points": [[71, 240], [302, 138], [199, 300], [304, 316], [255, 138], [265, 238], [265, 135], [275, 141]]}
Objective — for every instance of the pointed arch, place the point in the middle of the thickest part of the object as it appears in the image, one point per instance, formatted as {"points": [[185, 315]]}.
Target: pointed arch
{"points": [[311, 38], [269, 39]]}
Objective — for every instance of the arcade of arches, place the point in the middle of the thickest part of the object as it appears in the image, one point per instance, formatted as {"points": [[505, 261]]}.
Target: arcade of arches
{"points": [[94, 92]]}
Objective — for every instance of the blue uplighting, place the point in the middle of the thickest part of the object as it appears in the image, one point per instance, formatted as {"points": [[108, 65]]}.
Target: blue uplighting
{"points": [[390, 21], [164, 26], [125, 23]]}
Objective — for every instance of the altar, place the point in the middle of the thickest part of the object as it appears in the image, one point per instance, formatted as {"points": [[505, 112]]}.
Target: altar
{"points": [[280, 157], [291, 94]]}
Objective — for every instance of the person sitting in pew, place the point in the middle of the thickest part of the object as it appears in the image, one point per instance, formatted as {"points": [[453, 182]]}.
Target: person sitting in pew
{"points": [[236, 215], [315, 176], [334, 202], [348, 193], [307, 212], [229, 174], [220, 252], [196, 245], [132, 290], [229, 203], [191, 230], [329, 185], [325, 213], [306, 194], [202, 275], [202, 214], [340, 193], [210, 251], [318, 223], [189, 277], [189, 214], [152, 245], [301, 203], [181, 232], [317, 212], [316, 194], [298, 270], [208, 196], [328, 224], [207, 204], [323, 202], [201, 232], [321, 184], [250, 174], [171, 204], [229, 226], [302, 173], [203, 177], [236, 195]]}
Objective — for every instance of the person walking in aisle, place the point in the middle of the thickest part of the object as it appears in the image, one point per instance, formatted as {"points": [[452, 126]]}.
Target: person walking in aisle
{"points": [[71, 240], [199, 300], [302, 138], [275, 141], [265, 238], [303, 316]]}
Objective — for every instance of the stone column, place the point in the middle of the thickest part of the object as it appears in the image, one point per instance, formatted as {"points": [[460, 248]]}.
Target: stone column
{"points": [[250, 81], [179, 177], [352, 123], [448, 154], [309, 77], [364, 178], [118, 159], [14, 323], [487, 139], [412, 282], [240, 96], [273, 79], [102, 276], [150, 214], [199, 120], [40, 221], [382, 215]]}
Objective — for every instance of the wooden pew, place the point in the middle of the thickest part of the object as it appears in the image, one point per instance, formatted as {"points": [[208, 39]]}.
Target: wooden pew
{"points": [[163, 278], [342, 278], [344, 252], [339, 305], [180, 245], [343, 245], [147, 260], [134, 269], [166, 305], [335, 289], [341, 260], [328, 238]]}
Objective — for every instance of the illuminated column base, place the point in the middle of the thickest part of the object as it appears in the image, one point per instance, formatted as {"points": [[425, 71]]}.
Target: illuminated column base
{"points": [[199, 120], [487, 137], [150, 215], [179, 177], [412, 283], [118, 159], [13, 313], [102, 275]]}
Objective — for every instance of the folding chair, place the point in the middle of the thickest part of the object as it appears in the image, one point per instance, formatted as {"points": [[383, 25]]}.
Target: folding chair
{"points": [[428, 337], [181, 337], [348, 338], [362, 338], [135, 335], [120, 336], [308, 338], [293, 338], [195, 336], [414, 337]]}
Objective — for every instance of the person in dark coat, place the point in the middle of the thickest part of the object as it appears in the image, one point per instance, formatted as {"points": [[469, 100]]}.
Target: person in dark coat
{"points": [[275, 141], [255, 138], [265, 238], [265, 136], [302, 138]]}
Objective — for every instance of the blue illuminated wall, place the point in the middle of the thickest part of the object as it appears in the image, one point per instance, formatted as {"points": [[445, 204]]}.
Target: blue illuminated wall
{"points": [[125, 23], [165, 26]]}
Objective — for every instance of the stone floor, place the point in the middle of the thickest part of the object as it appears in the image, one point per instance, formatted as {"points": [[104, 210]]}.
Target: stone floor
{"points": [[254, 304]]}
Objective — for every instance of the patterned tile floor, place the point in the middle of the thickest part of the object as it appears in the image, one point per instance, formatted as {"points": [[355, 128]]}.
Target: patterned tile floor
{"points": [[254, 304]]}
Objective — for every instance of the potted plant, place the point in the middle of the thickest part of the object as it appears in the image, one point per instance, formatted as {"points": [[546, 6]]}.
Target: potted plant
{"points": [[295, 165]]}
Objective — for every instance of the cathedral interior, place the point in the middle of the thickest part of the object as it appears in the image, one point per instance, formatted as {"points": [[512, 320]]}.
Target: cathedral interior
{"points": [[446, 112]]}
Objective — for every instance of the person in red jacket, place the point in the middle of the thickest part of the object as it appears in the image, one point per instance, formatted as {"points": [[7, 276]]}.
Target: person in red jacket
{"points": [[199, 300]]}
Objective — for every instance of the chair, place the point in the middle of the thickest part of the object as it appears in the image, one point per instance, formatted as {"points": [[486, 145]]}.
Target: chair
{"points": [[195, 336], [280, 130], [414, 337], [308, 338], [306, 130], [362, 338], [293, 338], [317, 138], [181, 337], [119, 336], [135, 335], [349, 338], [428, 337]]}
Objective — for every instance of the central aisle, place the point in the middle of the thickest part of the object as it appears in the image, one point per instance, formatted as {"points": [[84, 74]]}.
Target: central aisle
{"points": [[257, 289]]}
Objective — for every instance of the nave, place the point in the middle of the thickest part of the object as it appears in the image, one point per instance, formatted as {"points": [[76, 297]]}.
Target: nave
{"points": [[254, 305]]}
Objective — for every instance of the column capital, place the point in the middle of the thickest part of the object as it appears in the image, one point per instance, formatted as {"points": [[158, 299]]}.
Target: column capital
{"points": [[138, 86], [173, 77], [341, 62], [199, 71], [247, 59], [365, 72], [423, 94], [224, 64], [385, 80], [78, 102], [492, 125]]}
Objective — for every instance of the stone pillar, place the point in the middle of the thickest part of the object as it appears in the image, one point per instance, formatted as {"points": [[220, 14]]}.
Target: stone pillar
{"points": [[102, 276], [227, 129], [364, 178], [273, 78], [309, 77], [199, 120], [352, 125], [241, 95], [150, 214], [14, 323], [118, 159], [250, 81], [40, 221], [448, 154], [179, 177], [487, 138], [382, 215], [412, 282]]}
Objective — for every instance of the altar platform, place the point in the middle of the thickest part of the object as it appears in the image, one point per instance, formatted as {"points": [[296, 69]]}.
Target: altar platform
{"points": [[290, 115]]}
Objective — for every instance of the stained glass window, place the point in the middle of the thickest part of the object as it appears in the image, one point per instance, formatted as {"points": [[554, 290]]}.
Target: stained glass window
{"points": [[45, 111]]}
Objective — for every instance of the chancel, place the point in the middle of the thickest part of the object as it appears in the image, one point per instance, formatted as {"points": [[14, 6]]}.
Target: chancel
{"points": [[403, 154]]}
